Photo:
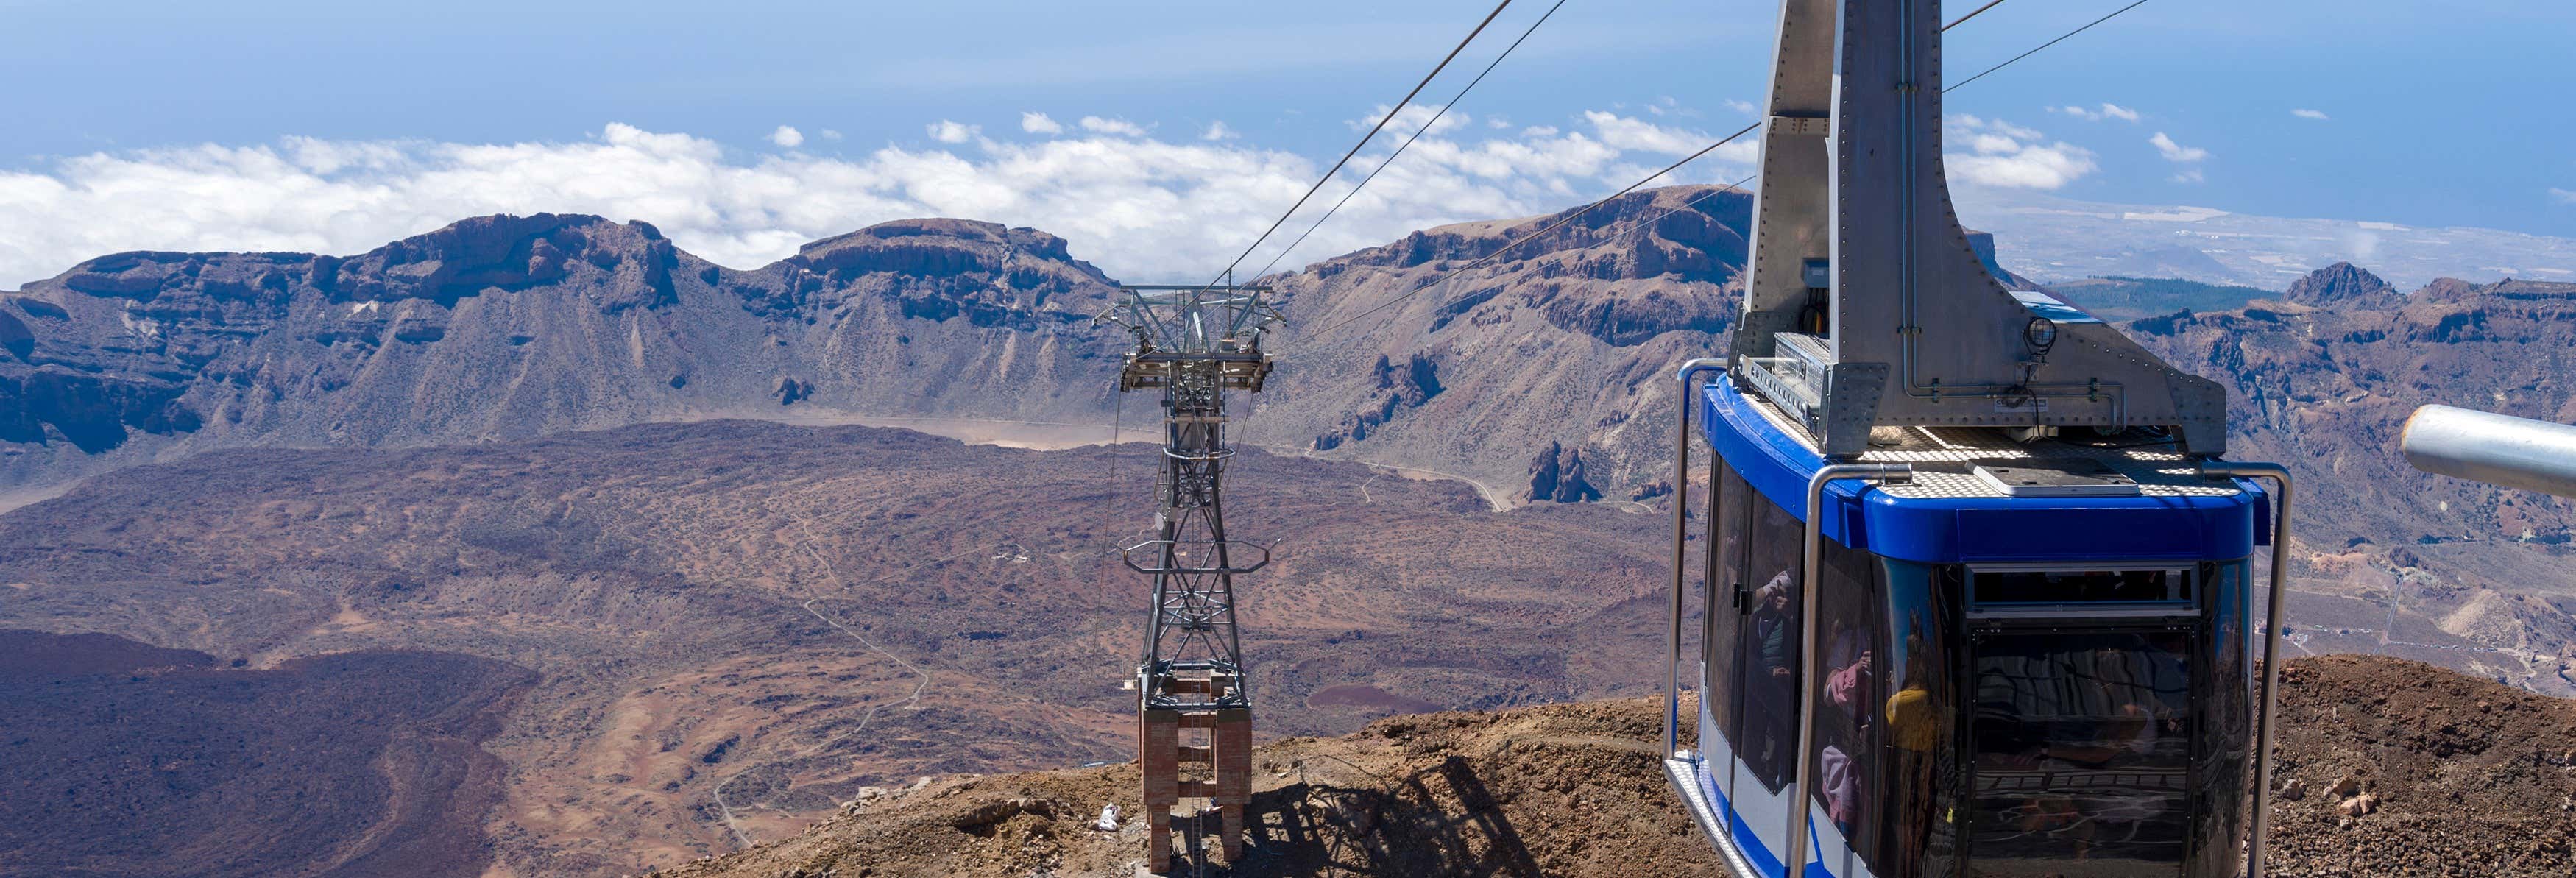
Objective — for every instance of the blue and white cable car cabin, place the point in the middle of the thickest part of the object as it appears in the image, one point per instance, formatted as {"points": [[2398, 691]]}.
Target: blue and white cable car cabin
{"points": [[1975, 582]]}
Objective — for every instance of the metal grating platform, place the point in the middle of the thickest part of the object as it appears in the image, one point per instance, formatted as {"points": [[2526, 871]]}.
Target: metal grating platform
{"points": [[1945, 459]]}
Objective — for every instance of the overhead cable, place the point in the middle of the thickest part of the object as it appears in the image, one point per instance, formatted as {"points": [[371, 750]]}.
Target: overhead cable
{"points": [[2114, 14], [1450, 273], [1632, 187], [1408, 142], [1364, 139], [1981, 10]]}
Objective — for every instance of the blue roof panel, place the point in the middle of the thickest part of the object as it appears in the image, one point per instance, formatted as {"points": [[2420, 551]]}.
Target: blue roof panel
{"points": [[1949, 530]]}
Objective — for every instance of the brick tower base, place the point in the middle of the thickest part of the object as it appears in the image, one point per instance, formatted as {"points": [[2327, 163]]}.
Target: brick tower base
{"points": [[1214, 747]]}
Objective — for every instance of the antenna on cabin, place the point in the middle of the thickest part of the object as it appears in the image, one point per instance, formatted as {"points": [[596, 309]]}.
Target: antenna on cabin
{"points": [[1193, 343]]}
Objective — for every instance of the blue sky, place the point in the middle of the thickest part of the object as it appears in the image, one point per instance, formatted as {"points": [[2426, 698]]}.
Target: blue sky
{"points": [[2448, 116]]}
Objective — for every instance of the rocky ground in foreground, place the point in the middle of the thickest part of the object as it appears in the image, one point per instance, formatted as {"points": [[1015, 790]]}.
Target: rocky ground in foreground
{"points": [[1568, 789], [2401, 769]]}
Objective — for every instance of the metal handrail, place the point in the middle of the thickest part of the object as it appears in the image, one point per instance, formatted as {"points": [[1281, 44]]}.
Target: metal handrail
{"points": [[2271, 645], [1681, 534], [1812, 556]]}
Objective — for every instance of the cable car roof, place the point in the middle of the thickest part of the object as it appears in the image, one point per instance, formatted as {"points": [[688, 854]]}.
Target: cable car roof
{"points": [[1950, 514]]}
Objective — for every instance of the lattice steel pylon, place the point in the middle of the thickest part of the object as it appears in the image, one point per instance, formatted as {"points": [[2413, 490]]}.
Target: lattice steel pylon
{"points": [[1193, 344]]}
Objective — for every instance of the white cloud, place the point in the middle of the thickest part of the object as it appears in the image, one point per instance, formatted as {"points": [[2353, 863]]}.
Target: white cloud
{"points": [[2175, 152], [1745, 107], [946, 131], [1099, 125], [2319, 115], [1413, 118], [2005, 155], [787, 137], [1141, 208], [2107, 111], [2564, 196], [829, 134], [1622, 132], [1497, 123], [1539, 131], [1038, 123], [1217, 131], [2189, 175]]}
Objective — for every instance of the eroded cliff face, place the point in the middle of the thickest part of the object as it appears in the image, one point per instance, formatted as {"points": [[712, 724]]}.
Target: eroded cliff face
{"points": [[509, 326], [2324, 386], [503, 326], [1556, 346]]}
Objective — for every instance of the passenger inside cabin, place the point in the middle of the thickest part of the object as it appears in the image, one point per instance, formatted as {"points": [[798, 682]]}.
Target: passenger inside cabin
{"points": [[1846, 728], [1773, 686]]}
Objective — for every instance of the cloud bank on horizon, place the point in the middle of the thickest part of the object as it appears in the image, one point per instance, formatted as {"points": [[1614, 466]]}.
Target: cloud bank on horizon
{"points": [[1141, 207]]}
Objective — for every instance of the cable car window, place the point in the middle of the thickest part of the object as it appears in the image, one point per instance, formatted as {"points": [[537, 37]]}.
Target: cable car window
{"points": [[2082, 754], [1922, 606], [1847, 698], [2218, 807], [1768, 700], [2030, 587], [1725, 603]]}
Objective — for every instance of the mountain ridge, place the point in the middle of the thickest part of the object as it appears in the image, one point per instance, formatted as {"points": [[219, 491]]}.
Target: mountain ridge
{"points": [[504, 326]]}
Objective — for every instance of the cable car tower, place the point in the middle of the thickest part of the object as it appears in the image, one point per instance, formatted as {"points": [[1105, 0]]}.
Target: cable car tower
{"points": [[1193, 343], [1977, 589]]}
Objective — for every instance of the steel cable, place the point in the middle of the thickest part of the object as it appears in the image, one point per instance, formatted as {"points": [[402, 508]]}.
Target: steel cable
{"points": [[1364, 139], [1586, 209], [1408, 142]]}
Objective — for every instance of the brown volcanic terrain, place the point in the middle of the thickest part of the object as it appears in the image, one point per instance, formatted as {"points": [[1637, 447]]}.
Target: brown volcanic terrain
{"points": [[1558, 790], [126, 759], [2440, 569], [2467, 777], [737, 625]]}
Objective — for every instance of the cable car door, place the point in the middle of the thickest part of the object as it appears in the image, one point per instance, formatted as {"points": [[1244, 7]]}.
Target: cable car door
{"points": [[1721, 638], [1766, 675]]}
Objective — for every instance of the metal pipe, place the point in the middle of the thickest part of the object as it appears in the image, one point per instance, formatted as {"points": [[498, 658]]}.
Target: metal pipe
{"points": [[1681, 534], [2271, 645], [1812, 557], [2496, 449]]}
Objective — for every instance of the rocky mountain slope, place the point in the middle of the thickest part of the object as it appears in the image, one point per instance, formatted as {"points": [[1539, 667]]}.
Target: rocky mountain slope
{"points": [[732, 626], [2323, 381], [507, 327], [1553, 351], [2464, 777]]}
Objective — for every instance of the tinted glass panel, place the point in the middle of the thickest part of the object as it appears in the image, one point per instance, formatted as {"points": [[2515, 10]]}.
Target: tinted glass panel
{"points": [[2226, 721], [1768, 703], [2086, 586], [1725, 577], [1848, 699], [1919, 839], [2082, 754]]}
